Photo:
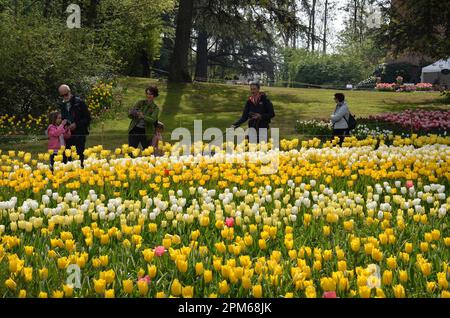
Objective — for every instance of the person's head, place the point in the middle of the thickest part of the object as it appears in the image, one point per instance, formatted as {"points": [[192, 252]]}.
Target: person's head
{"points": [[159, 127], [254, 88], [339, 97], [55, 118], [151, 92], [65, 92]]}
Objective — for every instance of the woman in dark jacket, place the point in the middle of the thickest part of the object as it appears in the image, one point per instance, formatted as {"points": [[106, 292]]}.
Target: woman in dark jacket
{"points": [[258, 111]]}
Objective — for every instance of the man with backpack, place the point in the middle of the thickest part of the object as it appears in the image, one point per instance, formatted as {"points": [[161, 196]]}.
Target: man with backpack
{"points": [[75, 111], [342, 120]]}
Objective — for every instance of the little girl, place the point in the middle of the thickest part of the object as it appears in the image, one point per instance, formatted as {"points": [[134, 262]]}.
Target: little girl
{"points": [[157, 137], [57, 132]]}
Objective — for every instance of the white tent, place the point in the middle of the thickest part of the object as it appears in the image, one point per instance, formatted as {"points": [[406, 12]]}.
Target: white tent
{"points": [[437, 73]]}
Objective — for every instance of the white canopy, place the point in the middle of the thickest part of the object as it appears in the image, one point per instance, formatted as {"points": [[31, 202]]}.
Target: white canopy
{"points": [[433, 73], [437, 66]]}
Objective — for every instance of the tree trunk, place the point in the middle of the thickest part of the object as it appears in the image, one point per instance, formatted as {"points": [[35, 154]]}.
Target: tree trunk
{"points": [[361, 22], [313, 25], [145, 64], [325, 25], [179, 68], [355, 18], [294, 28], [201, 67], [46, 9], [309, 32], [92, 12]]}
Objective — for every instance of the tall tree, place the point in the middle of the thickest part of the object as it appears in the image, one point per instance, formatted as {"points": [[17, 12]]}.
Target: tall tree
{"points": [[313, 25], [179, 70], [416, 26], [325, 27], [201, 68]]}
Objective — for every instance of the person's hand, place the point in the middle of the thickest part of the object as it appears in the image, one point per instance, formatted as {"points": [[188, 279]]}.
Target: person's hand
{"points": [[140, 114], [233, 126], [73, 126], [256, 116], [64, 122]]}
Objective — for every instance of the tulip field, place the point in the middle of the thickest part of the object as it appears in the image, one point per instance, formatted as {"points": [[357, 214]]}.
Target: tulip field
{"points": [[361, 220]]}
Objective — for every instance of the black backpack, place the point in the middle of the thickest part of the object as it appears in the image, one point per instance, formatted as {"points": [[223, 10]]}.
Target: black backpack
{"points": [[351, 122]]}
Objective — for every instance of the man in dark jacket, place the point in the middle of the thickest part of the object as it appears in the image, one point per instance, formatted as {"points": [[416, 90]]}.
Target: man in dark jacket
{"points": [[77, 114], [258, 111]]}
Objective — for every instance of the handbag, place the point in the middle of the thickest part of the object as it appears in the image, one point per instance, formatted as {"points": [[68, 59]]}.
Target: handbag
{"points": [[351, 122]]}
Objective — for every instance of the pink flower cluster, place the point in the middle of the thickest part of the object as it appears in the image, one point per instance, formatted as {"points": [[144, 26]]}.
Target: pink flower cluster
{"points": [[418, 119], [424, 87], [389, 87]]}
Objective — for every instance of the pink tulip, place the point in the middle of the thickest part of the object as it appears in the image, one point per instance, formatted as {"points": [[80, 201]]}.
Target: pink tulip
{"points": [[146, 279], [229, 222], [329, 294], [159, 251], [409, 184]]}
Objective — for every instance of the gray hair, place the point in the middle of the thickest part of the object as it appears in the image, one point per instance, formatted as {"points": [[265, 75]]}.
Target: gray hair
{"points": [[65, 87]]}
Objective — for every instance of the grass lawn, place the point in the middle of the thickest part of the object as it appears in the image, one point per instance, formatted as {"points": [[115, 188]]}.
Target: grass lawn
{"points": [[219, 105]]}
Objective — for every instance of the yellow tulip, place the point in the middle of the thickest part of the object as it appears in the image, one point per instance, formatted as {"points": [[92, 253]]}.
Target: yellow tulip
{"points": [[176, 288]]}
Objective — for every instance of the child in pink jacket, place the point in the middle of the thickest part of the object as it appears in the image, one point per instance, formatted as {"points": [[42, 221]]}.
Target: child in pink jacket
{"points": [[57, 132], [157, 137]]}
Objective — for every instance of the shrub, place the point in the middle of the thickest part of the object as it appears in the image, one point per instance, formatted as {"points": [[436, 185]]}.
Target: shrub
{"points": [[32, 69]]}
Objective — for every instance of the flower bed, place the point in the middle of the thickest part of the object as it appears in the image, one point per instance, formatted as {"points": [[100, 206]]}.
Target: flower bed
{"points": [[400, 87], [380, 126], [424, 87], [386, 87], [418, 120], [330, 222]]}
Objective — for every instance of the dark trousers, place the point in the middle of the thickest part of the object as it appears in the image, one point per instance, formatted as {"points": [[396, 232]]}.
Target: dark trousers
{"points": [[52, 161], [341, 133], [80, 144], [137, 136]]}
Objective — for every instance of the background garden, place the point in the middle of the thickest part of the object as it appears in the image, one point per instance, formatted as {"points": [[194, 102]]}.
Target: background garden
{"points": [[123, 46], [368, 219]]}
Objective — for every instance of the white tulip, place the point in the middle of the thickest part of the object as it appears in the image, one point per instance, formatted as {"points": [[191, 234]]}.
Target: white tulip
{"points": [[442, 212], [380, 214]]}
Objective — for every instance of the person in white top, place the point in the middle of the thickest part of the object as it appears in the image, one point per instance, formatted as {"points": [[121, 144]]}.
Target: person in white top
{"points": [[340, 117]]}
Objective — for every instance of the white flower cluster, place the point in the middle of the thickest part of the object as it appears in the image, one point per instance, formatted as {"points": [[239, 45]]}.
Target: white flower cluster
{"points": [[364, 131]]}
